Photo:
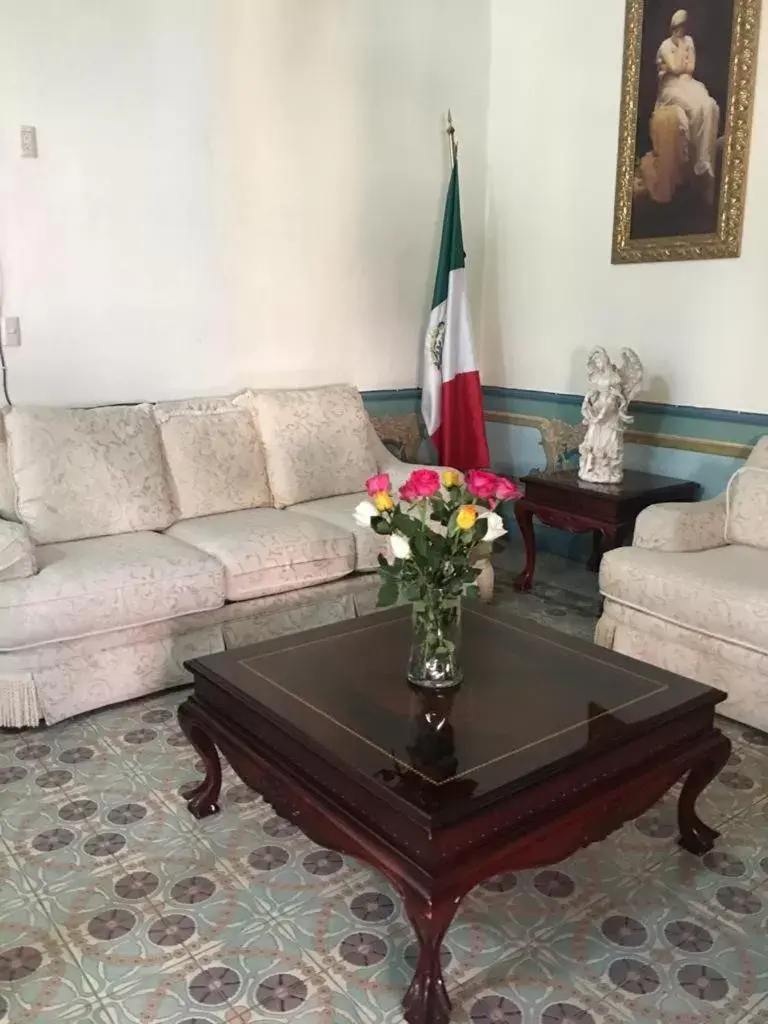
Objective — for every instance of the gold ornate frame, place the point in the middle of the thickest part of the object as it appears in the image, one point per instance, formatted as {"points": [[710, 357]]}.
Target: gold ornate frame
{"points": [[726, 241]]}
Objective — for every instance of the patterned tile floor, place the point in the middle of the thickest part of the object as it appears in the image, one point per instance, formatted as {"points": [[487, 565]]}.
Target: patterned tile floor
{"points": [[116, 907]]}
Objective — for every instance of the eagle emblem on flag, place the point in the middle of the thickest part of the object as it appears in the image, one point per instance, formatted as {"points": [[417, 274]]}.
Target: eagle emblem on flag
{"points": [[436, 341]]}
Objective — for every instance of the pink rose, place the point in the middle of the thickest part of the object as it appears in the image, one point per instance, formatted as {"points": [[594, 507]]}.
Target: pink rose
{"points": [[425, 482], [380, 482], [482, 484], [407, 492], [506, 490]]}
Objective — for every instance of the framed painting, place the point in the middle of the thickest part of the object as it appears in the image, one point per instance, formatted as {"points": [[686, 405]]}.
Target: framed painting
{"points": [[686, 114]]}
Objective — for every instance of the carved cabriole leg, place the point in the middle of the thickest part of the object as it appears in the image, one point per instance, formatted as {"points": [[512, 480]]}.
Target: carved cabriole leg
{"points": [[426, 1001], [204, 799], [695, 836], [524, 518]]}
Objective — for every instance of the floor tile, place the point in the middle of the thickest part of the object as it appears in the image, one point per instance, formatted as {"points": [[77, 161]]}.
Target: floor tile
{"points": [[40, 979], [652, 956]]}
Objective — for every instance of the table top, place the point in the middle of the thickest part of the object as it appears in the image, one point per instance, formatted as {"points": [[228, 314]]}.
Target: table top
{"points": [[634, 484], [533, 702]]}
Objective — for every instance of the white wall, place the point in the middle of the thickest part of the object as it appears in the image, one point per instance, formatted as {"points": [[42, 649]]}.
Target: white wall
{"points": [[551, 292], [230, 192]]}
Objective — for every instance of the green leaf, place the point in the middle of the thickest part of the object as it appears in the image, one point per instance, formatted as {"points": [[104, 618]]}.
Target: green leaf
{"points": [[406, 525], [472, 592], [381, 526], [388, 594], [481, 528]]}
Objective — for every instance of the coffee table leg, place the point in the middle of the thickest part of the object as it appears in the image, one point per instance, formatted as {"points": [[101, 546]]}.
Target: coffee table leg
{"points": [[695, 836], [426, 1001], [204, 799], [524, 518]]}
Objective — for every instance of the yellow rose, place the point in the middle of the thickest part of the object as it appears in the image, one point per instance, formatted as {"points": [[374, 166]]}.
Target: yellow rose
{"points": [[383, 501], [466, 517], [451, 478]]}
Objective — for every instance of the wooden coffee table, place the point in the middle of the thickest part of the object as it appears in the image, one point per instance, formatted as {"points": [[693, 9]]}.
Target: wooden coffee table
{"points": [[550, 744]]}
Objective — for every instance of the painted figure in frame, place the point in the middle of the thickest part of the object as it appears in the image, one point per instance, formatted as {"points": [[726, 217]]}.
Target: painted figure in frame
{"points": [[687, 98], [675, 188]]}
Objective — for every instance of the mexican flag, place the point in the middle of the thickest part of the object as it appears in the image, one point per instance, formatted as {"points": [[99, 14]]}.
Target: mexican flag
{"points": [[451, 396]]}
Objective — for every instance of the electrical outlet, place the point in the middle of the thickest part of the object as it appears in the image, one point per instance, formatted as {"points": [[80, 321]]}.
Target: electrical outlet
{"points": [[29, 141], [11, 332]]}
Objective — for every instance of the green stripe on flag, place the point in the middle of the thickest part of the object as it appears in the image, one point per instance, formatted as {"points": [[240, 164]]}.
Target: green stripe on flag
{"points": [[451, 244]]}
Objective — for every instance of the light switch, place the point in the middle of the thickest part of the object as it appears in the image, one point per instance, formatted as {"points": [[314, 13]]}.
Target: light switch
{"points": [[29, 141], [11, 332]]}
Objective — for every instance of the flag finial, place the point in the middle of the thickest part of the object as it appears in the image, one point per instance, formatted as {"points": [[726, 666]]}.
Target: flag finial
{"points": [[451, 133]]}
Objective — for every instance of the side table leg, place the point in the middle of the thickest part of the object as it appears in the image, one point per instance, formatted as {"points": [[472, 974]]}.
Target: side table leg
{"points": [[203, 800], [695, 836], [426, 1001], [524, 518]]}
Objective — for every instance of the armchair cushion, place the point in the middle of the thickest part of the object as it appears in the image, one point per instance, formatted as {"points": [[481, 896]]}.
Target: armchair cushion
{"points": [[17, 552], [315, 441], [721, 592], [681, 526], [747, 507]]}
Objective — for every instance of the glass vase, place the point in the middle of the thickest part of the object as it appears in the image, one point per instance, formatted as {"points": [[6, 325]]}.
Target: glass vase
{"points": [[435, 658]]}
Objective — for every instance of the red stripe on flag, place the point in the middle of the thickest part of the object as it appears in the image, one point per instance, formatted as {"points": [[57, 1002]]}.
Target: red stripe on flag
{"points": [[460, 439]]}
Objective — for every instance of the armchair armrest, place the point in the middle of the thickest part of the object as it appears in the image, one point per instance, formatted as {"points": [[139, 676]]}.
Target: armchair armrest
{"points": [[17, 552], [682, 526]]}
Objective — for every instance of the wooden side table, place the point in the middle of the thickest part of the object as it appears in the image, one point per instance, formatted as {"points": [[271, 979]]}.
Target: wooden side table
{"points": [[609, 511]]}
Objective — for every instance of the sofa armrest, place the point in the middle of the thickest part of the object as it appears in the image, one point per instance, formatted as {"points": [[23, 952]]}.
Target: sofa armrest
{"points": [[386, 462], [682, 526], [17, 552]]}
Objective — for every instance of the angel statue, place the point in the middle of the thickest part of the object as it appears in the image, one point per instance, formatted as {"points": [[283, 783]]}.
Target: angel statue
{"points": [[605, 411]]}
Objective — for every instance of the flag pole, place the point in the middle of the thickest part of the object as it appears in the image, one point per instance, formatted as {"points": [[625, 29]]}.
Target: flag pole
{"points": [[450, 131]]}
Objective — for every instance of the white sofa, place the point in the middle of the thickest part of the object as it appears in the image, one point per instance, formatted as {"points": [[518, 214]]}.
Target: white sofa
{"points": [[691, 593], [133, 538]]}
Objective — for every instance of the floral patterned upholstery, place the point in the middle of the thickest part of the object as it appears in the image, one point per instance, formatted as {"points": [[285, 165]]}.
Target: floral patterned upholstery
{"points": [[215, 460], [105, 583], [747, 501], [315, 439], [17, 552], [339, 512], [691, 594], [266, 550], [722, 592], [681, 526], [87, 472], [7, 489]]}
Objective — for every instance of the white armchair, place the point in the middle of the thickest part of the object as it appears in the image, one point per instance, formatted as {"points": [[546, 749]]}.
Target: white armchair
{"points": [[691, 594]]}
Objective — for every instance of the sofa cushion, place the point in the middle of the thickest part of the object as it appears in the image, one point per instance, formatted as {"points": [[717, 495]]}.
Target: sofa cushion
{"points": [[267, 551], [88, 472], [215, 459], [747, 507], [722, 592], [339, 511], [107, 583], [315, 441], [17, 552]]}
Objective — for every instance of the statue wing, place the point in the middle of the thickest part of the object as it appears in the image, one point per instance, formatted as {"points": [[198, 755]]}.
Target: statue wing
{"points": [[631, 374], [597, 363]]}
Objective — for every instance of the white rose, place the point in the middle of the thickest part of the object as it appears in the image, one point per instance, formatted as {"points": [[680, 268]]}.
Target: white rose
{"points": [[400, 546], [496, 526], [364, 513]]}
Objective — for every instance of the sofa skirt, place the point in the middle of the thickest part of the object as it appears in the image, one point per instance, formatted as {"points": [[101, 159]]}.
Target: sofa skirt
{"points": [[739, 670], [55, 681]]}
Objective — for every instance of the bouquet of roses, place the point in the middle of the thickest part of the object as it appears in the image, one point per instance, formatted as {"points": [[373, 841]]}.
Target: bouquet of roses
{"points": [[434, 532]]}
